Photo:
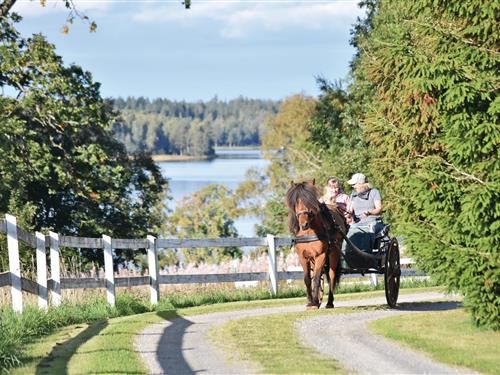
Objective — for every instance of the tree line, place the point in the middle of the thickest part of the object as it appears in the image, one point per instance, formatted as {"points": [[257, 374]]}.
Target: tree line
{"points": [[162, 126]]}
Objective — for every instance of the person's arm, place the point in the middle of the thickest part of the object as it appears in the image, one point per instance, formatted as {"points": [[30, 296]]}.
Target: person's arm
{"points": [[349, 209], [374, 211], [349, 213]]}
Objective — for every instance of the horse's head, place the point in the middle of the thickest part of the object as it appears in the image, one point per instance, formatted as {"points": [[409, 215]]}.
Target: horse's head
{"points": [[303, 205], [304, 215]]}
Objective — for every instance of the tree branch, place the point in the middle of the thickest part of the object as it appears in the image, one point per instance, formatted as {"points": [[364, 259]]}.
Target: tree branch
{"points": [[5, 7], [465, 174], [305, 158]]}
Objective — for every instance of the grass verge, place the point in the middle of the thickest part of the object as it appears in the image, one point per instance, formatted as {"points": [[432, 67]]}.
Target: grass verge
{"points": [[107, 345], [448, 336]]}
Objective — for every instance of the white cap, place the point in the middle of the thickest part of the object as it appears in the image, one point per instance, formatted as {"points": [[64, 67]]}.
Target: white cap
{"points": [[357, 178]]}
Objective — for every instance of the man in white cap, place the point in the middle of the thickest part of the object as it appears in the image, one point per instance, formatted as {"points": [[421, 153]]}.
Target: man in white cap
{"points": [[366, 202], [364, 208]]}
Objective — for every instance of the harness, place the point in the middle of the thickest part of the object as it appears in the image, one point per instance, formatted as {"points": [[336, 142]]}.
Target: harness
{"points": [[309, 238]]}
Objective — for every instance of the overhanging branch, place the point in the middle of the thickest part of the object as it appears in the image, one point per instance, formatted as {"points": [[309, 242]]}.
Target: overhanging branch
{"points": [[5, 7]]}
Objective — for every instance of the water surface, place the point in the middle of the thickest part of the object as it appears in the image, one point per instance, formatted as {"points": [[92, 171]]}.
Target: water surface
{"points": [[228, 169]]}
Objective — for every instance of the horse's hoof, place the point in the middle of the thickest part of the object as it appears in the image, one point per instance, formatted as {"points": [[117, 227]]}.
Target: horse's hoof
{"points": [[311, 306], [329, 306]]}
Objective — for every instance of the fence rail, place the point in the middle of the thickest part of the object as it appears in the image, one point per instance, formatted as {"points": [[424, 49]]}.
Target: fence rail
{"points": [[55, 283]]}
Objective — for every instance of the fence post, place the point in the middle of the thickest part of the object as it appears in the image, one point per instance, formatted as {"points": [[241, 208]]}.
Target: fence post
{"points": [[108, 269], [273, 269], [41, 271], [55, 269], [14, 264], [153, 269], [374, 279]]}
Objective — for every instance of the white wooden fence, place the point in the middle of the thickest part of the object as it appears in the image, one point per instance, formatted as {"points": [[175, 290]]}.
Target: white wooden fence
{"points": [[55, 283]]}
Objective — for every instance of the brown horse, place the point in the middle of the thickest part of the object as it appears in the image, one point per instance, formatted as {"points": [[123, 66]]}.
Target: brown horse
{"points": [[317, 238]]}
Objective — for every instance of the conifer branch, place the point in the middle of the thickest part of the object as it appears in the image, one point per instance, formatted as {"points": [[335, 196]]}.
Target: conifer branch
{"points": [[452, 34], [447, 163], [458, 248], [306, 158]]}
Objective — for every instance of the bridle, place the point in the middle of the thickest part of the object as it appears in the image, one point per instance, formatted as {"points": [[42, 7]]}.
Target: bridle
{"points": [[309, 214], [311, 237]]}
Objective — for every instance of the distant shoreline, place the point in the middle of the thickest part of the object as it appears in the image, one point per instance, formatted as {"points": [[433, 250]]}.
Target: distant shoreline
{"points": [[167, 157], [236, 148]]}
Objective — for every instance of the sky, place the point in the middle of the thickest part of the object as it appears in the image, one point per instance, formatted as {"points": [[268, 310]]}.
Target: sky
{"points": [[267, 49]]}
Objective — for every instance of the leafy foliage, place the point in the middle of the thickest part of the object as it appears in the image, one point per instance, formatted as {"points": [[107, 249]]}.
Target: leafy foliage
{"points": [[336, 136], [426, 80], [283, 136], [62, 169], [208, 213]]}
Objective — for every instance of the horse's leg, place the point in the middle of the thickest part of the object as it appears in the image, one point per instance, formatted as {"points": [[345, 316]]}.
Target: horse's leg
{"points": [[319, 264], [332, 273], [307, 281], [307, 278], [331, 277]]}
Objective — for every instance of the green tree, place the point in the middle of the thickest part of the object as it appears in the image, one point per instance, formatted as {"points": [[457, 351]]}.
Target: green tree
{"points": [[200, 143], [62, 169], [283, 138], [426, 81], [335, 134], [208, 213]]}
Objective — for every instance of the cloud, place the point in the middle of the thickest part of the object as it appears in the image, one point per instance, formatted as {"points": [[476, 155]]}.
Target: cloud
{"points": [[237, 19], [33, 8]]}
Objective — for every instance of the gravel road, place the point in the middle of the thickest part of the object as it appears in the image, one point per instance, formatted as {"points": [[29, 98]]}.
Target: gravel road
{"points": [[180, 347], [344, 337]]}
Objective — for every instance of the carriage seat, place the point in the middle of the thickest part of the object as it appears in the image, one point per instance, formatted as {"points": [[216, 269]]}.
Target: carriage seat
{"points": [[377, 241]]}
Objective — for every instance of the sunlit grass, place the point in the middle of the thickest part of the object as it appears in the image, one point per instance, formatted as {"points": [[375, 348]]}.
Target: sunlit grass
{"points": [[448, 336], [271, 342]]}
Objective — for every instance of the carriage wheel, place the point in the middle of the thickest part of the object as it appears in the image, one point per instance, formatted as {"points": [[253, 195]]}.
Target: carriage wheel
{"points": [[392, 273]]}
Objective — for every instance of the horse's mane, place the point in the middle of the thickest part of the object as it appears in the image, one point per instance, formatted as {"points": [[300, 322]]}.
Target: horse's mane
{"points": [[305, 192]]}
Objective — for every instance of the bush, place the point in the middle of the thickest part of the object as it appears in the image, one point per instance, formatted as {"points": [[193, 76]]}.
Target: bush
{"points": [[127, 304], [426, 83]]}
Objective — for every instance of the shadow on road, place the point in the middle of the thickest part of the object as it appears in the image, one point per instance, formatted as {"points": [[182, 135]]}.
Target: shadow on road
{"points": [[170, 352], [430, 306]]}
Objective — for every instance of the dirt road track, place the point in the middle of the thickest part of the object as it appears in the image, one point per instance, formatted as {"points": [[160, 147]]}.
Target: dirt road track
{"points": [[179, 346]]}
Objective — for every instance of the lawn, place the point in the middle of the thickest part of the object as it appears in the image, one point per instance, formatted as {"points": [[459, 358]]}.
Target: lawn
{"points": [[447, 336]]}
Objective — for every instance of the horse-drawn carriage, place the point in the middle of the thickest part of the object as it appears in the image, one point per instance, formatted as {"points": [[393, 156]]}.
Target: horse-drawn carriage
{"points": [[381, 256], [326, 251]]}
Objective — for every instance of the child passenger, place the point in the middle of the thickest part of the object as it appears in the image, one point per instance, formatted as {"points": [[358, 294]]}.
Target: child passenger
{"points": [[334, 194]]}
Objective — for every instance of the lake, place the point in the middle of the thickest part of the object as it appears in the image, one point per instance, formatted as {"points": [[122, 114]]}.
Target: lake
{"points": [[228, 169]]}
